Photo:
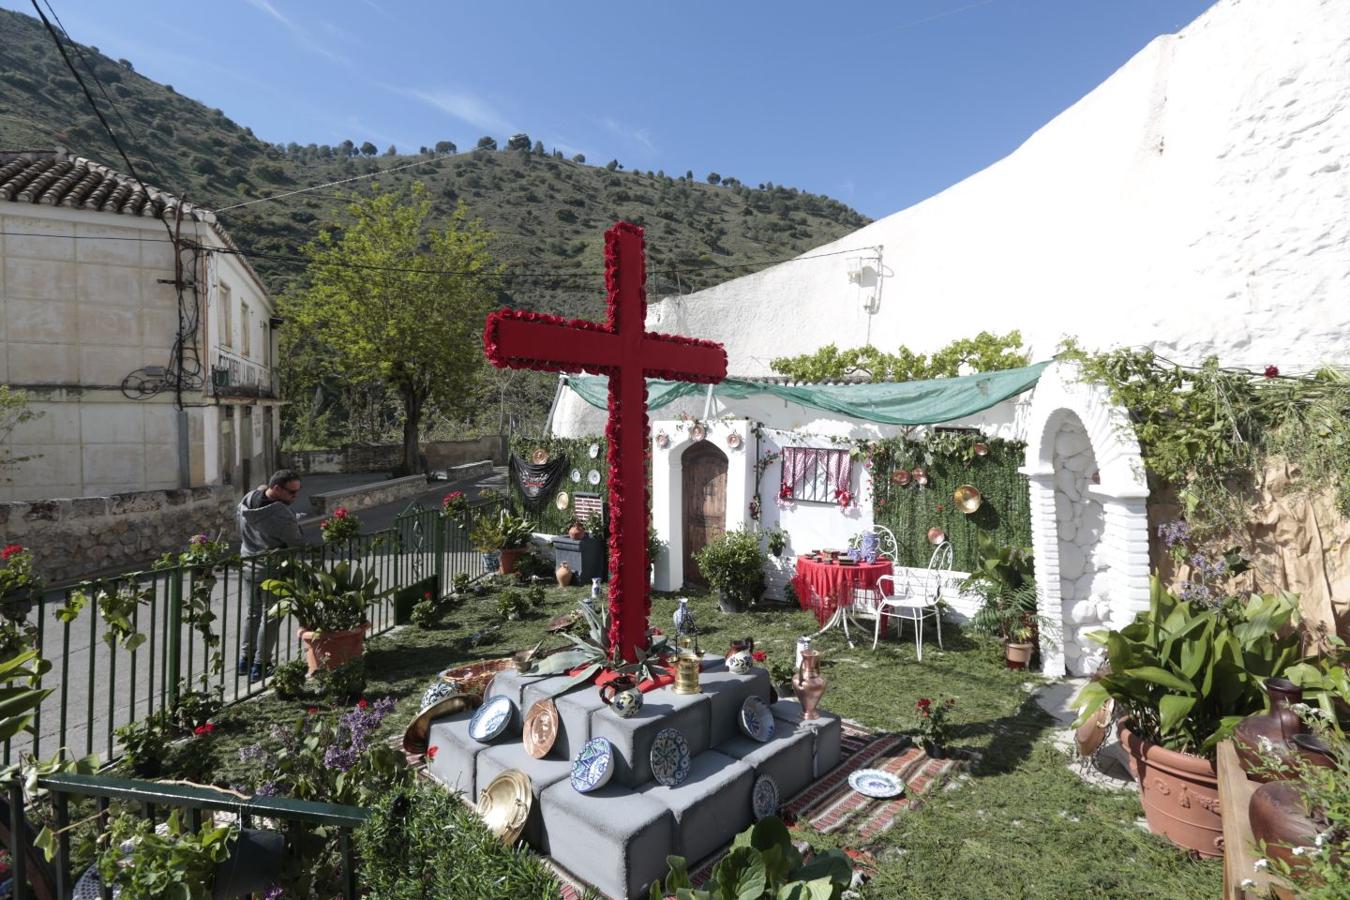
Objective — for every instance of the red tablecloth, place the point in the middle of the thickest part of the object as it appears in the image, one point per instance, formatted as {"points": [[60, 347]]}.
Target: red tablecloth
{"points": [[822, 586]]}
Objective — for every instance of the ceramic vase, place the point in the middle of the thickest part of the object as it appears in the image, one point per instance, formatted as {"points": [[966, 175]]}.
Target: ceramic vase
{"points": [[684, 617], [808, 684], [622, 696], [1270, 734], [746, 645], [739, 663], [563, 574]]}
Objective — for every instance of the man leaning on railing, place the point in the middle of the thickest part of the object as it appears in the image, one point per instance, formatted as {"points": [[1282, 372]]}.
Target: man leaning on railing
{"points": [[266, 523]]}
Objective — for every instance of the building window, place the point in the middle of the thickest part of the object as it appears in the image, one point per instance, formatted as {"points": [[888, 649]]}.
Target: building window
{"points": [[813, 475], [226, 317], [246, 326]]}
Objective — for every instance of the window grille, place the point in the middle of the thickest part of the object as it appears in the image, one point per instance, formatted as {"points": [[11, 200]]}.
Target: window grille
{"points": [[812, 475]]}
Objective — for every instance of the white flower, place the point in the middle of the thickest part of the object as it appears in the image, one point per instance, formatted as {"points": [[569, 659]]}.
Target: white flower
{"points": [[1247, 883], [1300, 708], [1261, 863], [1302, 851], [1321, 838], [1267, 745]]}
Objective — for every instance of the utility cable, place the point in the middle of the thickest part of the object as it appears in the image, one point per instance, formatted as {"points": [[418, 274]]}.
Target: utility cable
{"points": [[317, 187]]}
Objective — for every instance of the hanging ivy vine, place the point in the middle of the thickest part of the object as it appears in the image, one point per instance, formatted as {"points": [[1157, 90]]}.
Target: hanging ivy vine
{"points": [[1209, 432]]}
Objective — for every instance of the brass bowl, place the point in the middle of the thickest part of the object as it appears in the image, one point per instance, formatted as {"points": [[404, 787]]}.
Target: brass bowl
{"points": [[505, 804], [968, 498], [415, 737]]}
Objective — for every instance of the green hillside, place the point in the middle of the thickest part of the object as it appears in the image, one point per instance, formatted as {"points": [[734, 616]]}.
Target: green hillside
{"points": [[547, 213]]}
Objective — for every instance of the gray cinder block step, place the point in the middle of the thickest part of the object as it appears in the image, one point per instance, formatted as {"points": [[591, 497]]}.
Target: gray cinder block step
{"points": [[544, 773], [612, 838], [710, 807], [828, 732], [456, 754], [788, 756], [632, 738], [726, 692]]}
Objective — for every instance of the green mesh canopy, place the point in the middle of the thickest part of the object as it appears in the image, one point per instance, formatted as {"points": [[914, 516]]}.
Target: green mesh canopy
{"points": [[903, 403]]}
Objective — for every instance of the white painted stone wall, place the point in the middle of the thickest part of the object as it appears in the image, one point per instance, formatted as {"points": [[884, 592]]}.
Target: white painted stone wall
{"points": [[1085, 597]]}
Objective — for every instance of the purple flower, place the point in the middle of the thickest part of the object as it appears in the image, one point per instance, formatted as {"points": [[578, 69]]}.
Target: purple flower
{"points": [[268, 789], [1173, 533], [198, 539], [273, 893], [355, 734]]}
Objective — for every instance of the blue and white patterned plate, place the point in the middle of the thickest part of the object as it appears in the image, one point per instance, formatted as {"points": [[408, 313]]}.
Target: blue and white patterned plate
{"points": [[876, 783], [756, 720], [491, 719], [670, 757], [594, 766], [764, 797]]}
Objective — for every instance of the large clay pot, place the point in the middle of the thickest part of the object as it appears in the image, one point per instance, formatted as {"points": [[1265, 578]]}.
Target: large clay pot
{"points": [[1279, 817], [330, 649], [808, 684], [564, 574], [1180, 794], [510, 557], [1016, 655], [575, 531], [1276, 728]]}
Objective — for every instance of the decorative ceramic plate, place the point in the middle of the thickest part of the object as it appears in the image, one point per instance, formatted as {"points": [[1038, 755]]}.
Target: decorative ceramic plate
{"points": [[697, 433], [561, 500], [593, 476], [505, 804], [662, 440], [764, 797], [539, 456], [756, 720], [594, 451], [876, 783], [576, 476], [541, 728], [594, 766], [670, 757], [900, 477], [491, 719], [733, 440]]}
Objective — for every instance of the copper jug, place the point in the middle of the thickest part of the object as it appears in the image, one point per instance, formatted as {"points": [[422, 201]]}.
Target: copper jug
{"points": [[808, 684], [1269, 734]]}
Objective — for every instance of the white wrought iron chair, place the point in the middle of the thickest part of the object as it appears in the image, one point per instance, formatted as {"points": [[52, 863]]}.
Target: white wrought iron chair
{"points": [[867, 601], [886, 546], [914, 598]]}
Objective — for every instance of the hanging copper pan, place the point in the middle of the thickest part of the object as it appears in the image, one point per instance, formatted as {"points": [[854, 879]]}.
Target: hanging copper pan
{"points": [[900, 477], [980, 449], [968, 498]]}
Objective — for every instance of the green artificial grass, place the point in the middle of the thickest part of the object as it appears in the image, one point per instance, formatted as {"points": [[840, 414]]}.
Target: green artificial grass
{"points": [[1018, 823]]}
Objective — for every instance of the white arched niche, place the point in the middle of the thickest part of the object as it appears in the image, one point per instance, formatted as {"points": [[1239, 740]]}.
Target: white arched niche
{"points": [[1089, 523]]}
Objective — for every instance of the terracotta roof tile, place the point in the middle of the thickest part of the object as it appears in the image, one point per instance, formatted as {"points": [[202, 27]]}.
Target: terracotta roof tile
{"points": [[57, 178]]}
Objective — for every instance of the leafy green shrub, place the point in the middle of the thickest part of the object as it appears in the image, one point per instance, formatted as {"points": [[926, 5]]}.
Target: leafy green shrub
{"points": [[460, 583], [179, 863], [1185, 674], [145, 744], [346, 682], [734, 566], [763, 864], [319, 599], [196, 708], [533, 565], [422, 843], [426, 614], [288, 679], [512, 605]]}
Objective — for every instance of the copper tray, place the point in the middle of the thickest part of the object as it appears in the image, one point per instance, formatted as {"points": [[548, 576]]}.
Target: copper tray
{"points": [[541, 728], [474, 678], [505, 804]]}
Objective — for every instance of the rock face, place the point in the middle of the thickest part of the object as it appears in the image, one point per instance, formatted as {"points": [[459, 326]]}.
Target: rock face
{"points": [[1194, 201]]}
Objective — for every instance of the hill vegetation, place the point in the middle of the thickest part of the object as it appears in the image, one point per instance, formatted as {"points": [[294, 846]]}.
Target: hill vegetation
{"points": [[547, 213]]}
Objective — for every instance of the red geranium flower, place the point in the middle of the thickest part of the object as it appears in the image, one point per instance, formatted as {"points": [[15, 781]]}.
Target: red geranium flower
{"points": [[759, 656], [923, 703], [362, 703], [312, 710], [1272, 372], [432, 751], [426, 595], [10, 550], [208, 728], [340, 512]]}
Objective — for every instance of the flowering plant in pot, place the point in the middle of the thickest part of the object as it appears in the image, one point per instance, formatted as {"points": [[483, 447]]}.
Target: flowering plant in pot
{"points": [[1182, 675], [734, 567], [340, 526], [331, 607]]}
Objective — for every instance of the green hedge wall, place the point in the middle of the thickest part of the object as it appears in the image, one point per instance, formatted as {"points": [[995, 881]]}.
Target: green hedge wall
{"points": [[910, 511], [550, 519]]}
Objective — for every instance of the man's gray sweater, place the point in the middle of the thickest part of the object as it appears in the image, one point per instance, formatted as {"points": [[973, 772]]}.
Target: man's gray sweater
{"points": [[265, 524]]}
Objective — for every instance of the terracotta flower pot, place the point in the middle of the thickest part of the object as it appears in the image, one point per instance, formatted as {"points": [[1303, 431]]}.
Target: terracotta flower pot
{"points": [[1180, 794], [330, 649], [1017, 655], [509, 557]]}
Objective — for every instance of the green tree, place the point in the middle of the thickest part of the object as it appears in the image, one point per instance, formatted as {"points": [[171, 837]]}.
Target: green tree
{"points": [[983, 353], [579, 158], [368, 149], [612, 164], [714, 178], [446, 148], [487, 142], [520, 141], [397, 302]]}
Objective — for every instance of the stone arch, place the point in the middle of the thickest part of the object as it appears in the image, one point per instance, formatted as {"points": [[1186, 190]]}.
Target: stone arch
{"points": [[1089, 524]]}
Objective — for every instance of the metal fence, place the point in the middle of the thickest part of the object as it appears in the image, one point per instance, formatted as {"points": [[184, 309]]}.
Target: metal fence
{"points": [[98, 686]]}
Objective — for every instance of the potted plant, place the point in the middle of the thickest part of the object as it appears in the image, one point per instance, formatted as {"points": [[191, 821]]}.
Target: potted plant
{"points": [[486, 537], [1182, 675], [776, 539], [517, 534], [575, 530], [930, 719], [734, 567], [1004, 581], [330, 606]]}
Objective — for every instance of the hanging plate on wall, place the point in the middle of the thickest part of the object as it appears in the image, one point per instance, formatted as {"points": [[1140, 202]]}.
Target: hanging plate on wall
{"points": [[733, 440], [593, 476], [594, 451], [561, 500], [967, 498], [539, 456], [662, 440]]}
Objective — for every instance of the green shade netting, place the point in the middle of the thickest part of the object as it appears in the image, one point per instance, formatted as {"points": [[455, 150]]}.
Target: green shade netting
{"points": [[904, 403]]}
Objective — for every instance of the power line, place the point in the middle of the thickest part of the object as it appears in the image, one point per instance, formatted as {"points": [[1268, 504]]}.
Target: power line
{"points": [[420, 162]]}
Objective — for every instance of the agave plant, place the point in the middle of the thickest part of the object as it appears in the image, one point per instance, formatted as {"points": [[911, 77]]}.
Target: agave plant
{"points": [[590, 650]]}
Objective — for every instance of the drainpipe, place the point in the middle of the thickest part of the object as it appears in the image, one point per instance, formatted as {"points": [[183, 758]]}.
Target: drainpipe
{"points": [[184, 449]]}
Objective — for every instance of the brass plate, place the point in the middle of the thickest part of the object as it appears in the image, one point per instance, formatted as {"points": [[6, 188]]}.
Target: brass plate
{"points": [[562, 500], [415, 738], [968, 498], [541, 728], [505, 804], [539, 456]]}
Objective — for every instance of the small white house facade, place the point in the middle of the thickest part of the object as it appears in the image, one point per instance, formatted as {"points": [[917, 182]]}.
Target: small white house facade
{"points": [[94, 301]]}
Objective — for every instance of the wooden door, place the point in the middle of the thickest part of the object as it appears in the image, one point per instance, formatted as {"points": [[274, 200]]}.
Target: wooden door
{"points": [[705, 503]]}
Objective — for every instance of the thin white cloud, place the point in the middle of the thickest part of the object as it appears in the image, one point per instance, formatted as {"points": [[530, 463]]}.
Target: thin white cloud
{"points": [[639, 136], [463, 105], [301, 35]]}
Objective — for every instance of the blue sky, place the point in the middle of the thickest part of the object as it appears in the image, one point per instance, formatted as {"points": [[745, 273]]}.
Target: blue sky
{"points": [[877, 104]]}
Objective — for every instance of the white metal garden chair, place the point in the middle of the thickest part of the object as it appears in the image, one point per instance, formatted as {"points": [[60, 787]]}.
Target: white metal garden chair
{"points": [[914, 598], [886, 547]]}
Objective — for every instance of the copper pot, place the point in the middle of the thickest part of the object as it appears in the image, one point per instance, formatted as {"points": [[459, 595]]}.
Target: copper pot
{"points": [[1275, 727], [1280, 818]]}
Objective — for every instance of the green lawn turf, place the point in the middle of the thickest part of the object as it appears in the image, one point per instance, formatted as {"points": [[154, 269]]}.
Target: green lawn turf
{"points": [[1020, 825]]}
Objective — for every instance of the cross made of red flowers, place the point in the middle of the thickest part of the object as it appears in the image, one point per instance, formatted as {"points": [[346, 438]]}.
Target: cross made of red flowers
{"points": [[623, 349]]}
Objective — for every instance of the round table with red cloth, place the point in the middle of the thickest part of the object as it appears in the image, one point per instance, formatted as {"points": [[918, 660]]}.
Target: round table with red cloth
{"points": [[823, 586]]}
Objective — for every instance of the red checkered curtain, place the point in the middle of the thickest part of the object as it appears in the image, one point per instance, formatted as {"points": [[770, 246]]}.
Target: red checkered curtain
{"points": [[814, 474]]}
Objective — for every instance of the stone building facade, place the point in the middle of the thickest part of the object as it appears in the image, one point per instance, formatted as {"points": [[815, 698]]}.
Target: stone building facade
{"points": [[96, 295]]}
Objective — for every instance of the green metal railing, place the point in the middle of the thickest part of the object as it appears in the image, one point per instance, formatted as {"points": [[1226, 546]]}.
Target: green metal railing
{"points": [[96, 688], [152, 798]]}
